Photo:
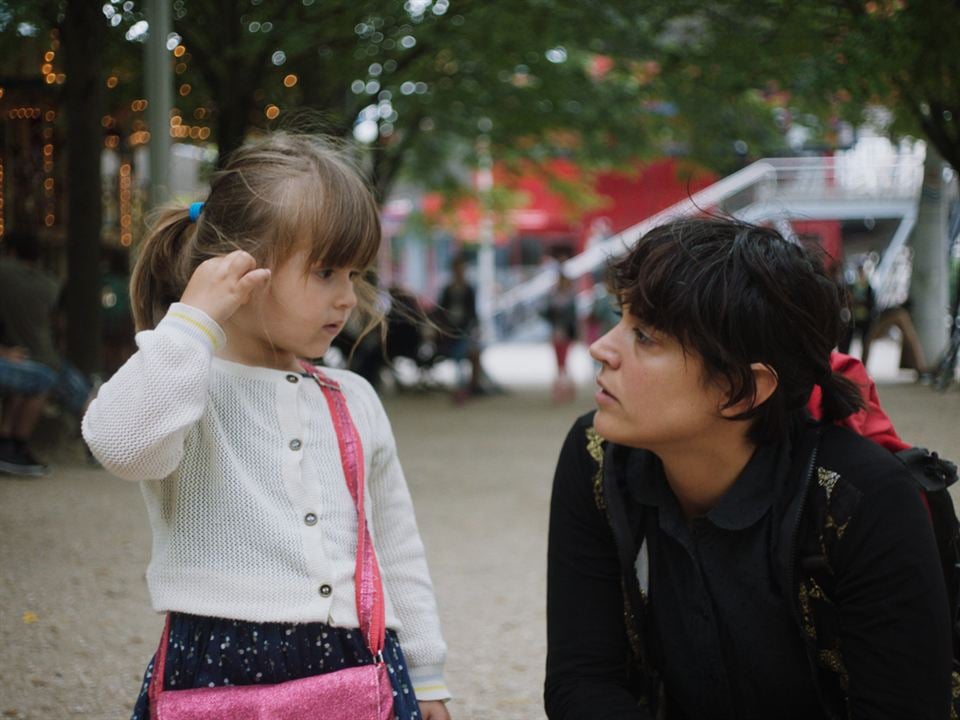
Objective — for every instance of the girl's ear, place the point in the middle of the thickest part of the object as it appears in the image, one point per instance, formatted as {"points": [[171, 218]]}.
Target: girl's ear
{"points": [[765, 381]]}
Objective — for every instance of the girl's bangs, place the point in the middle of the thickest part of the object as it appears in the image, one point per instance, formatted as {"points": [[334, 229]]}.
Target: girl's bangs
{"points": [[338, 222]]}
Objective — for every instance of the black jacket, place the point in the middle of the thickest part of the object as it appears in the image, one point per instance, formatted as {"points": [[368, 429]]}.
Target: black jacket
{"points": [[889, 654]]}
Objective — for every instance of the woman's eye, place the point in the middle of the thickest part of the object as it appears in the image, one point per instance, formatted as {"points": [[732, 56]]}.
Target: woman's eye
{"points": [[642, 337], [324, 273]]}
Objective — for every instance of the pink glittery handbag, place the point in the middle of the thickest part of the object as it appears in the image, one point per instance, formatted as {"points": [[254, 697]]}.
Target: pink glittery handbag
{"points": [[358, 693]]}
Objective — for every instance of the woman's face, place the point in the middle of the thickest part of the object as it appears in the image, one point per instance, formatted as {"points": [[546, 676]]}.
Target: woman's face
{"points": [[652, 395]]}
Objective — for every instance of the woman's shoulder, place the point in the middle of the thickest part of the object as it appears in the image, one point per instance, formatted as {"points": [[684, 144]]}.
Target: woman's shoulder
{"points": [[869, 467], [581, 454], [857, 479], [582, 433]]}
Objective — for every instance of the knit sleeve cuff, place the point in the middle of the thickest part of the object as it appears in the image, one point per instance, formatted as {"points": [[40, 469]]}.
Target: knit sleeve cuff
{"points": [[428, 683], [193, 324]]}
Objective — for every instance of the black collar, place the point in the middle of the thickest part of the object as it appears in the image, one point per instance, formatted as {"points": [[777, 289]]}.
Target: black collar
{"points": [[747, 500]]}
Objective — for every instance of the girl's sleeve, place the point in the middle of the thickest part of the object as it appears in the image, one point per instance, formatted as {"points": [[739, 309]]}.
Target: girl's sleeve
{"points": [[138, 422], [403, 563], [587, 648]]}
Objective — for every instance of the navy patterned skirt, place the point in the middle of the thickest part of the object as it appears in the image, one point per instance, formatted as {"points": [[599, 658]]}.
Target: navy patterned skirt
{"points": [[210, 652]]}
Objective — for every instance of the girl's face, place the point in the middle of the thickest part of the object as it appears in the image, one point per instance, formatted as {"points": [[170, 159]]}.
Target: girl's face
{"points": [[652, 395], [297, 315]]}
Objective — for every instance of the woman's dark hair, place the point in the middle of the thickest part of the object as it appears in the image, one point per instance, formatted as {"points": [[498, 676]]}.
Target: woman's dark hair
{"points": [[736, 294]]}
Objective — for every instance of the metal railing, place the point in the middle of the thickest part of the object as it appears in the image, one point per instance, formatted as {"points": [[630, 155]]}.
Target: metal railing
{"points": [[760, 192], [521, 303], [844, 177]]}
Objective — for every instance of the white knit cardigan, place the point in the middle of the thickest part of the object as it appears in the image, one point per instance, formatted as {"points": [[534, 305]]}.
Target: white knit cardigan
{"points": [[246, 495]]}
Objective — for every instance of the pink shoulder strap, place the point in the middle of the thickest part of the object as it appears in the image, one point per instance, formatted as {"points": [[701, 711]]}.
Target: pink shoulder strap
{"points": [[369, 586]]}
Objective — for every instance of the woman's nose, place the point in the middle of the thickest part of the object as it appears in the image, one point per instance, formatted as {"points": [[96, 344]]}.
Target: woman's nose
{"points": [[603, 350]]}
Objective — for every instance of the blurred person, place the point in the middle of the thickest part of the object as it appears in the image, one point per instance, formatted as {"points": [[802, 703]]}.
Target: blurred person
{"points": [[361, 348], [561, 313], [860, 311], [29, 300], [459, 326], [681, 581], [24, 386], [252, 461], [603, 313]]}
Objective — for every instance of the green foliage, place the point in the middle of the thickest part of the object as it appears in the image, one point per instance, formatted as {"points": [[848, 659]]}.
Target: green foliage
{"points": [[428, 76], [834, 60], [601, 83]]}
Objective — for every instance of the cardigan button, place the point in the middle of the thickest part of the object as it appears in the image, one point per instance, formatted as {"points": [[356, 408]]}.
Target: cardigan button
{"points": [[325, 590], [295, 444], [292, 379], [310, 519]]}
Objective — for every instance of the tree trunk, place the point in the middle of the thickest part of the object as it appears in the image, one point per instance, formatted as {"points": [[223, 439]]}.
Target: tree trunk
{"points": [[929, 285], [84, 33], [232, 114]]}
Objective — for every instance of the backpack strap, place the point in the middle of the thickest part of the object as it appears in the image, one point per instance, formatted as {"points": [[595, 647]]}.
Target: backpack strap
{"points": [[818, 516], [831, 503], [934, 475], [932, 472], [608, 495]]}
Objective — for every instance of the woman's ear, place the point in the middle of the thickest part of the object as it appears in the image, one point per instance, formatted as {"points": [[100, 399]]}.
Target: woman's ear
{"points": [[765, 381]]}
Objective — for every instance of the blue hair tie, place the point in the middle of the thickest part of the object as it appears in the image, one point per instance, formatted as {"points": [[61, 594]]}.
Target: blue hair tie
{"points": [[195, 209]]}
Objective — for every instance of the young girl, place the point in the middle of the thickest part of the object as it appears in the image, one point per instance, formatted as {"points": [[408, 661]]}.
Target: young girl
{"points": [[254, 529]]}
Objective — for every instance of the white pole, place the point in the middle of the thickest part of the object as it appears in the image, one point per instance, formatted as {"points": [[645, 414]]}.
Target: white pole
{"points": [[159, 91], [486, 277]]}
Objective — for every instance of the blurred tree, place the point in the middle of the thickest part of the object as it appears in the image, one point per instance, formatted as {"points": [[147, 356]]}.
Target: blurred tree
{"points": [[419, 82], [831, 60], [415, 80], [857, 60], [82, 32]]}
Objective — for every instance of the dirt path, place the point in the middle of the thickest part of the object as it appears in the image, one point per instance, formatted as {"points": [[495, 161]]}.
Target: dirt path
{"points": [[75, 626]]}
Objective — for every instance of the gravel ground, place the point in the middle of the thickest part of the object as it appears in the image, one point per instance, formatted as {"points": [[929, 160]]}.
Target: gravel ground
{"points": [[76, 630]]}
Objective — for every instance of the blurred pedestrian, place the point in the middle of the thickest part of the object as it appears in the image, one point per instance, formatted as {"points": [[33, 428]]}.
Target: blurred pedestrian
{"points": [[253, 462], [860, 310], [457, 319], [24, 386], [604, 313], [561, 313], [29, 302]]}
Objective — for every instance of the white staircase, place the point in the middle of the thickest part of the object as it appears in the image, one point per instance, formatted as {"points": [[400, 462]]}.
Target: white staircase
{"points": [[775, 191]]}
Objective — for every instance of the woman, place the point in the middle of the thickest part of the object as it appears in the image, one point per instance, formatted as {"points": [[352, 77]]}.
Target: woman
{"points": [[696, 552]]}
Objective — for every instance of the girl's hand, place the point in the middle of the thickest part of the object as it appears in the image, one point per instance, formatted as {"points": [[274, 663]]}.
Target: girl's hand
{"points": [[221, 285], [434, 710]]}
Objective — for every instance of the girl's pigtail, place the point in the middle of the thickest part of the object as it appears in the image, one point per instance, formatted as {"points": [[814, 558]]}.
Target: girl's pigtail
{"points": [[157, 280], [840, 397]]}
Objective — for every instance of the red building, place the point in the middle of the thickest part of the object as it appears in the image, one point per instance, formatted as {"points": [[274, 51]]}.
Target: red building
{"points": [[546, 221]]}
